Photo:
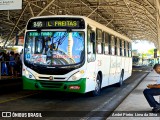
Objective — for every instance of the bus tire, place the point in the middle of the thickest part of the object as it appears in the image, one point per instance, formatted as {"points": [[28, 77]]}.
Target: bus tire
{"points": [[97, 89], [121, 79]]}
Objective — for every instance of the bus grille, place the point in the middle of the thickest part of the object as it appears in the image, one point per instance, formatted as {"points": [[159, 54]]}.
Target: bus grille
{"points": [[55, 78], [50, 84]]}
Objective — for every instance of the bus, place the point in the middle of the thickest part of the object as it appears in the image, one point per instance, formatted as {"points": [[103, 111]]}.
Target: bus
{"points": [[74, 54], [136, 61]]}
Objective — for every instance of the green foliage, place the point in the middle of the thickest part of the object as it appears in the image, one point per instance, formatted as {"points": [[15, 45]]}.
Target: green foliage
{"points": [[150, 52]]}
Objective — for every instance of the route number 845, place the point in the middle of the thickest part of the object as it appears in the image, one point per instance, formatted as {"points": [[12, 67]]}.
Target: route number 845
{"points": [[37, 24]]}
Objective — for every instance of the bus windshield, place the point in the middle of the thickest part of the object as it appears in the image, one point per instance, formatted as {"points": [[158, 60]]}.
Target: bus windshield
{"points": [[54, 48]]}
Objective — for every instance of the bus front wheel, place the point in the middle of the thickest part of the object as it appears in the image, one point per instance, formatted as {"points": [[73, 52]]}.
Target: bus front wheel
{"points": [[97, 89]]}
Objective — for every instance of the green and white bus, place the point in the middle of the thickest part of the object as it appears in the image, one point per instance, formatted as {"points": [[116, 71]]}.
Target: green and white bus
{"points": [[74, 54]]}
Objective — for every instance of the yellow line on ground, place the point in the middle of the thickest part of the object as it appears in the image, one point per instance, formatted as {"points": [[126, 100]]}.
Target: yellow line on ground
{"points": [[12, 99]]}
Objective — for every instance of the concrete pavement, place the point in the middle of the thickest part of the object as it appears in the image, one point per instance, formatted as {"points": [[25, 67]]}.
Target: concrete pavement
{"points": [[135, 106]]}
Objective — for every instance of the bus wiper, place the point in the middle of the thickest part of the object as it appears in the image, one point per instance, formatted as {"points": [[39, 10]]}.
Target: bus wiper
{"points": [[60, 40]]}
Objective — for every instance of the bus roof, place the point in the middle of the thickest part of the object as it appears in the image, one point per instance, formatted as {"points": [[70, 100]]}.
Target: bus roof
{"points": [[89, 21]]}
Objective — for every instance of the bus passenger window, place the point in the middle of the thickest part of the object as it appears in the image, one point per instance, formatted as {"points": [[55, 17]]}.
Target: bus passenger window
{"points": [[121, 48], [124, 48], [118, 46], [122, 42], [106, 44], [99, 41], [115, 46], [129, 50], [112, 45], [109, 44]]}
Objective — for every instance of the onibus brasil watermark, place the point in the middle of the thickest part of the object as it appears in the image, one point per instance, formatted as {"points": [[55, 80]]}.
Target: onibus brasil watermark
{"points": [[21, 114]]}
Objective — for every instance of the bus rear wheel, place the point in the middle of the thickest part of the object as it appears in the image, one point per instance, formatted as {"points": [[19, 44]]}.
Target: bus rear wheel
{"points": [[97, 89]]}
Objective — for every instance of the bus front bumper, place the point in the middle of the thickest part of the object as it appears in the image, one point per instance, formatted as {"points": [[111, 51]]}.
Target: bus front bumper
{"points": [[67, 86]]}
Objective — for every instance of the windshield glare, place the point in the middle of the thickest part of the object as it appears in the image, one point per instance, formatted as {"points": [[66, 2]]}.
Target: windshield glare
{"points": [[54, 48]]}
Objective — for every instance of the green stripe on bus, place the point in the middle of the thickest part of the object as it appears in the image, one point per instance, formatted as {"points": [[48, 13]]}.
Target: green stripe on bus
{"points": [[29, 84]]}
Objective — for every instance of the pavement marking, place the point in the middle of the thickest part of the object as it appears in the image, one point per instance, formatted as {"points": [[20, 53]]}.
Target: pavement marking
{"points": [[12, 99], [98, 108]]}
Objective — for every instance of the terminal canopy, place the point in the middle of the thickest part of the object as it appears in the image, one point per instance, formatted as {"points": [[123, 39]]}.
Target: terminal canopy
{"points": [[137, 19]]}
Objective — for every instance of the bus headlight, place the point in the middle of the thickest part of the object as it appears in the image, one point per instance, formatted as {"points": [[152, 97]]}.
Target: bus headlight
{"points": [[29, 75], [77, 76]]}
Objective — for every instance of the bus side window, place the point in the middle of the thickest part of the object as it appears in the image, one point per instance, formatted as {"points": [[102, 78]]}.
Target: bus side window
{"points": [[103, 42], [99, 45], [112, 45], [109, 44], [129, 50], [121, 48], [118, 46], [122, 43], [90, 47], [115, 46], [124, 48], [106, 44]]}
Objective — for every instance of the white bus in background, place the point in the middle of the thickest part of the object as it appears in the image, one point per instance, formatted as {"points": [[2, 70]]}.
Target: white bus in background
{"points": [[136, 61], [74, 54]]}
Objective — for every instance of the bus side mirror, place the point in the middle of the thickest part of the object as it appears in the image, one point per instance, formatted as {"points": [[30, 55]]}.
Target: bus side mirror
{"points": [[92, 36]]}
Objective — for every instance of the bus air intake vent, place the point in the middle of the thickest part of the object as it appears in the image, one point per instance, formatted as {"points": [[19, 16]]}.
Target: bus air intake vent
{"points": [[55, 78], [58, 78], [50, 84]]}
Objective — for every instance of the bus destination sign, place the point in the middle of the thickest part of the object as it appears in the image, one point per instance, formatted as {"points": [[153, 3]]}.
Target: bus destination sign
{"points": [[62, 23], [53, 23]]}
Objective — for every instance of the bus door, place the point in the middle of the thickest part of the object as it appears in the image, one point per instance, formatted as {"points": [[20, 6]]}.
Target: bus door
{"points": [[91, 55]]}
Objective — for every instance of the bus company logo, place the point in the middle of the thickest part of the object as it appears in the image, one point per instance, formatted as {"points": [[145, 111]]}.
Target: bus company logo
{"points": [[50, 78], [6, 114]]}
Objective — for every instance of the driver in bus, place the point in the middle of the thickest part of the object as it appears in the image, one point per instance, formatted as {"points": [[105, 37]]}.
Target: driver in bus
{"points": [[50, 50], [153, 90]]}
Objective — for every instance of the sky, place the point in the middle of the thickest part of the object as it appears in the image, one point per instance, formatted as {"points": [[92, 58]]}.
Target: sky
{"points": [[142, 46]]}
